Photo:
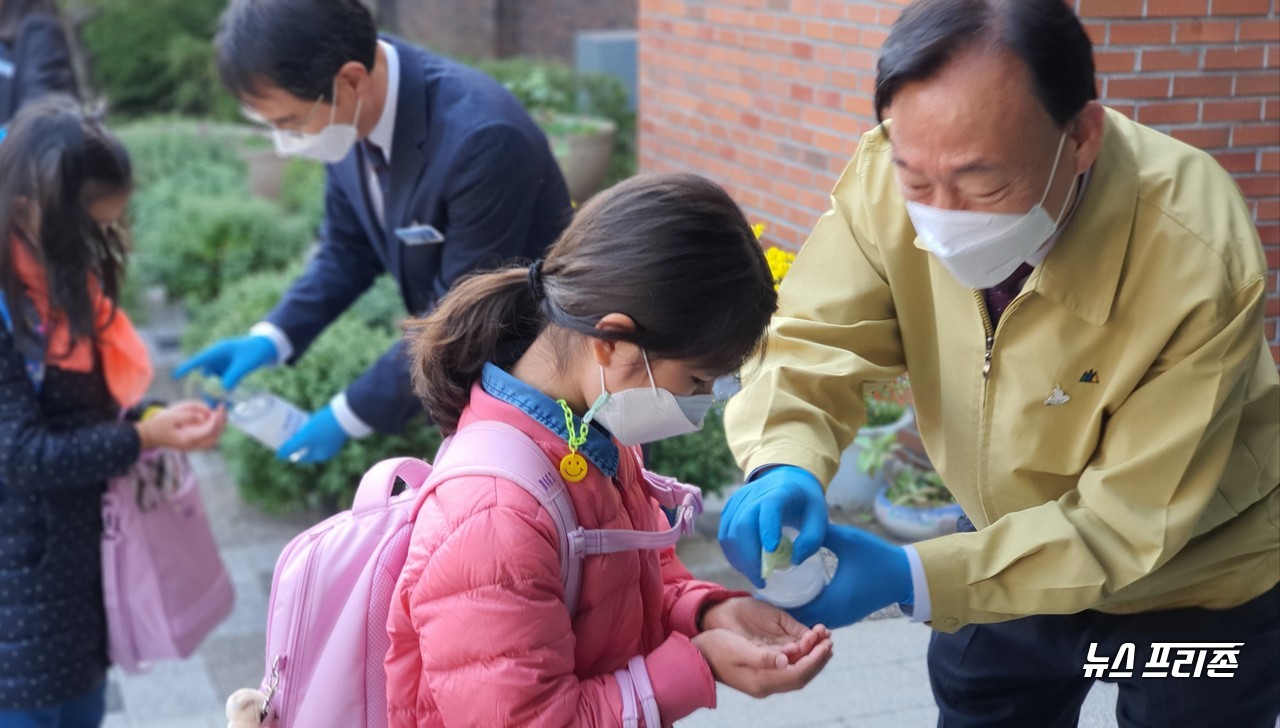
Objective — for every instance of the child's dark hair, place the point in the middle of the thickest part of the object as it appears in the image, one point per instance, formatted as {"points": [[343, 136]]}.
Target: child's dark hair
{"points": [[58, 160], [673, 252]]}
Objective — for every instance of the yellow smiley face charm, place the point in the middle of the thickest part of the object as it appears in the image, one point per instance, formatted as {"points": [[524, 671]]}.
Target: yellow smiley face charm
{"points": [[573, 467]]}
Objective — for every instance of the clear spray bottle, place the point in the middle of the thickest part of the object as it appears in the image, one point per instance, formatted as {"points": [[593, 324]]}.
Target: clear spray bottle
{"points": [[269, 419]]}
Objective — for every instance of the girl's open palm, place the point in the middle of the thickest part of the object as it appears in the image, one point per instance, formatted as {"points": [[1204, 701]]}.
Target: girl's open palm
{"points": [[765, 625], [755, 669]]}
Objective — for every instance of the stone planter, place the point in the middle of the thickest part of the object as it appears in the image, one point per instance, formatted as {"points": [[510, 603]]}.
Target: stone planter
{"points": [[263, 167], [914, 523], [851, 489], [266, 171], [583, 146]]}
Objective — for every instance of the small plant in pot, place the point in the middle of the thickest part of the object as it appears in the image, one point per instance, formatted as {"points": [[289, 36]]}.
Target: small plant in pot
{"points": [[854, 486], [914, 504]]}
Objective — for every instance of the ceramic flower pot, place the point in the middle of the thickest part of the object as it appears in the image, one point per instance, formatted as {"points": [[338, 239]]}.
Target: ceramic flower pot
{"points": [[911, 523], [851, 489], [583, 146], [266, 172]]}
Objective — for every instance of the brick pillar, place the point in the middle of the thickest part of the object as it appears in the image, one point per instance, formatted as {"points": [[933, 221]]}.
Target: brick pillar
{"points": [[769, 97]]}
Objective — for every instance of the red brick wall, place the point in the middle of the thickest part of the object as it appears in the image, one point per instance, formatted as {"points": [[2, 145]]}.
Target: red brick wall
{"points": [[769, 97], [500, 28]]}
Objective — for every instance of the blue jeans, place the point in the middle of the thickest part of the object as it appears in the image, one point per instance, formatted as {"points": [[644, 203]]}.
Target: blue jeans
{"points": [[86, 711]]}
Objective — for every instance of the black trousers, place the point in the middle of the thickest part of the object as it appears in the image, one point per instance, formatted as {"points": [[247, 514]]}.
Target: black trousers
{"points": [[1030, 672]]}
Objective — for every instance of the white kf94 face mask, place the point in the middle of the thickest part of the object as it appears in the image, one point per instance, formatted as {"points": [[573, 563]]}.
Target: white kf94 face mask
{"points": [[647, 414], [981, 249], [330, 145]]}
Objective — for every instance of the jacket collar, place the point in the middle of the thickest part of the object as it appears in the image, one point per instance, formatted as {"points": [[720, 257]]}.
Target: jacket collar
{"points": [[599, 448], [1082, 272]]}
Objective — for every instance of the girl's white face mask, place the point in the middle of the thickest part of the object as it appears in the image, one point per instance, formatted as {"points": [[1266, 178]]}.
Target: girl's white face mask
{"points": [[647, 414], [981, 249], [330, 145]]}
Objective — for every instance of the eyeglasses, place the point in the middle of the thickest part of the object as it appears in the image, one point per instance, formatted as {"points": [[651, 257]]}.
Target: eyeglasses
{"points": [[252, 115]]}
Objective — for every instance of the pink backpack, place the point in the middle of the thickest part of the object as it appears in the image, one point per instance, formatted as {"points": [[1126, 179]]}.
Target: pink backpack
{"points": [[327, 620], [164, 585]]}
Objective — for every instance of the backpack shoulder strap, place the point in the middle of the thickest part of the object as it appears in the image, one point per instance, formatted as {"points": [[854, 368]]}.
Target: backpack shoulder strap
{"points": [[499, 450]]}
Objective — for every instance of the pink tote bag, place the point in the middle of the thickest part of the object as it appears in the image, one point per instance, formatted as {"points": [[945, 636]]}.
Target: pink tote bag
{"points": [[163, 580]]}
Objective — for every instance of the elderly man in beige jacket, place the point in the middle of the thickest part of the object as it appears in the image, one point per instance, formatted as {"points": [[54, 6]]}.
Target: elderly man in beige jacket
{"points": [[1078, 300]]}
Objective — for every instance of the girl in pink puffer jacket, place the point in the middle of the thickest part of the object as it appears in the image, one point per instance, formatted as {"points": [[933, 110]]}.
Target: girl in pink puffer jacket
{"points": [[657, 288]]}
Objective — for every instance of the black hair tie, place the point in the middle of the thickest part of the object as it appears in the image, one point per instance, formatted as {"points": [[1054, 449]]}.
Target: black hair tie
{"points": [[535, 280]]}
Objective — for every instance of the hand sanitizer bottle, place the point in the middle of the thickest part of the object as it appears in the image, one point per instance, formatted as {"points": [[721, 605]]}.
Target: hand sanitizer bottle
{"points": [[266, 418], [257, 413], [790, 585]]}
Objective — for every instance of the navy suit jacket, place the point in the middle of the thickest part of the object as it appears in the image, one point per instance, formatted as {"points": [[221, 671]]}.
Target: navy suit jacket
{"points": [[465, 159], [36, 63]]}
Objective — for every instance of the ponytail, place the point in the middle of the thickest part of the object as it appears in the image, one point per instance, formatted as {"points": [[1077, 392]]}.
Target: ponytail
{"points": [[481, 320], [673, 252]]}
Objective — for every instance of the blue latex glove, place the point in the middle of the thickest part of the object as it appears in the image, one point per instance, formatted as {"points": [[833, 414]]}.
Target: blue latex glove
{"points": [[318, 440], [781, 496], [231, 359], [872, 574]]}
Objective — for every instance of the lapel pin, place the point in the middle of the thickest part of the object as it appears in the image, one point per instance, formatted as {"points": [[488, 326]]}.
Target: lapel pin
{"points": [[1058, 397]]}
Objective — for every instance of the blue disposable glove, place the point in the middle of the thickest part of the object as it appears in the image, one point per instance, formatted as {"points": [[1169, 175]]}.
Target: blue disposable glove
{"points": [[319, 440], [753, 518], [231, 359], [871, 575]]}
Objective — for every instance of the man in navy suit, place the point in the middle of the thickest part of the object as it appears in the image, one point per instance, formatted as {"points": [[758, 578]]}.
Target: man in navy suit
{"points": [[434, 171], [34, 57]]}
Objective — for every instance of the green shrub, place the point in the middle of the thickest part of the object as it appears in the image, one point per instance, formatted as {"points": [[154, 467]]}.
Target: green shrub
{"points": [[302, 190], [547, 86], [701, 458], [882, 412], [886, 402], [173, 159], [381, 307], [157, 56], [198, 245], [241, 305], [340, 355], [185, 156], [195, 224]]}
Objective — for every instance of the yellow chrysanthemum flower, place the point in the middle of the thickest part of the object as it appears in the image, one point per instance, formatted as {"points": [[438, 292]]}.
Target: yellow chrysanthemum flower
{"points": [[778, 259], [780, 262]]}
